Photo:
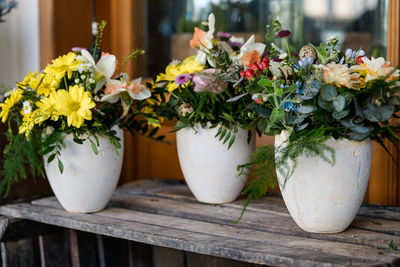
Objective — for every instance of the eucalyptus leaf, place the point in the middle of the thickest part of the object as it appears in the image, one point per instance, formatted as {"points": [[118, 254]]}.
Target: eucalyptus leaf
{"points": [[376, 113], [341, 114], [325, 104], [260, 110], [236, 98], [301, 127], [328, 92], [339, 103], [305, 109]]}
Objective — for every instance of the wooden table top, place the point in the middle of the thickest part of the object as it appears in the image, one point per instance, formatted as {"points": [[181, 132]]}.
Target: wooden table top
{"points": [[164, 213]]}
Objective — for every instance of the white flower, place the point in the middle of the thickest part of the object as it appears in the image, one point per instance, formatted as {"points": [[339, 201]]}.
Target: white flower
{"points": [[250, 52], [27, 108], [115, 88], [204, 42], [104, 69], [277, 68], [376, 68]]}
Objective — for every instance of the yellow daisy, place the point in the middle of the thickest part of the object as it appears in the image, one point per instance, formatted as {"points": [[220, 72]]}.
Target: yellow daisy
{"points": [[43, 85], [28, 78], [75, 104], [189, 65], [63, 64], [47, 106], [14, 97]]}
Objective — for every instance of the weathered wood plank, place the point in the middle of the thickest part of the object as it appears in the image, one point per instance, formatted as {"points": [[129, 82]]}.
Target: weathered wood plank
{"points": [[168, 257], [19, 253], [83, 247], [198, 260], [12, 229], [54, 249], [366, 231], [179, 191], [141, 255], [112, 251], [212, 239]]}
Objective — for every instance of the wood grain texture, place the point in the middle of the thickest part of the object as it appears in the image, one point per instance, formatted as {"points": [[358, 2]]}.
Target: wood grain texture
{"points": [[163, 213]]}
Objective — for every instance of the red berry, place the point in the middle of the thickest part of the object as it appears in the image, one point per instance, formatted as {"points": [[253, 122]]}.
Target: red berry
{"points": [[254, 67], [249, 74], [264, 65], [266, 60], [258, 101], [242, 73], [359, 60]]}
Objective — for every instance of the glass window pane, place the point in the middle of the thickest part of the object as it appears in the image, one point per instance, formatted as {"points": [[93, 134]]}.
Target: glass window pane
{"points": [[356, 22]]}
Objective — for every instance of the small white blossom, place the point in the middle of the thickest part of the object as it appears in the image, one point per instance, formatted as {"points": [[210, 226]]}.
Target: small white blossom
{"points": [[77, 80], [83, 77], [91, 80], [27, 107]]}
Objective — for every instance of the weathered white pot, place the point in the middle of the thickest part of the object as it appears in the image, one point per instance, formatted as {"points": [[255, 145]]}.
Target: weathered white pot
{"points": [[88, 180], [209, 167], [325, 198]]}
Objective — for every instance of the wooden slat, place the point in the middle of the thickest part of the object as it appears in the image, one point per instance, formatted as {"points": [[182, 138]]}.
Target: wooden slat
{"points": [[19, 253], [54, 249], [373, 232], [201, 237]]}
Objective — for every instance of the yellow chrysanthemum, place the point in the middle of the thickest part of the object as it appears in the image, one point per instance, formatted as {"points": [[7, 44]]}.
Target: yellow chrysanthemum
{"points": [[75, 104], [47, 106], [188, 65], [63, 64], [14, 97], [43, 85], [28, 78]]}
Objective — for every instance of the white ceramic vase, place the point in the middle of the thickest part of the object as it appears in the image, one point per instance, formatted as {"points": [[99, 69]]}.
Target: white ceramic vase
{"points": [[325, 198], [88, 180], [209, 167]]}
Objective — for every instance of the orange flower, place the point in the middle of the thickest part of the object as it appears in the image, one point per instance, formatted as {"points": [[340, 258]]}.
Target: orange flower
{"points": [[250, 58], [199, 38]]}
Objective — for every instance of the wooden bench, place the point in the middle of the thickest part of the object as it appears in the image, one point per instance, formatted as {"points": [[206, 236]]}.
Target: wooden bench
{"points": [[184, 232]]}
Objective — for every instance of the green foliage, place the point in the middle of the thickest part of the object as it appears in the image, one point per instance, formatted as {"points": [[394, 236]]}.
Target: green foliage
{"points": [[261, 169], [18, 154]]}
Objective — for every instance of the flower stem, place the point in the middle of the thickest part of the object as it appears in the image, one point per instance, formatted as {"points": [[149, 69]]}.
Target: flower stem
{"points": [[288, 50]]}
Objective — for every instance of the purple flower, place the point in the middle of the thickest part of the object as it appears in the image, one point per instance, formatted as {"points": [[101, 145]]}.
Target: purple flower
{"points": [[77, 49], [277, 59], [182, 79], [224, 36], [237, 45], [284, 33], [207, 80]]}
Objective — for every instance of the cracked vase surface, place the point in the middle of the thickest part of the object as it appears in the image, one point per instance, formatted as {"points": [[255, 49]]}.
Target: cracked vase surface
{"points": [[88, 180], [325, 198], [209, 167]]}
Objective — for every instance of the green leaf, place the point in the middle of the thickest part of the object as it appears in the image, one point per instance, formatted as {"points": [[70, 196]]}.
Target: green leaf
{"points": [[277, 115], [227, 137], [219, 132], [325, 104], [339, 103], [265, 82], [51, 158], [60, 166], [232, 141], [278, 91], [222, 134], [328, 92], [94, 147], [228, 117]]}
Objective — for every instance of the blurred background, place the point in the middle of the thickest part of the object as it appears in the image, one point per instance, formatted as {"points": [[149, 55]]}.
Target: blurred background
{"points": [[37, 31]]}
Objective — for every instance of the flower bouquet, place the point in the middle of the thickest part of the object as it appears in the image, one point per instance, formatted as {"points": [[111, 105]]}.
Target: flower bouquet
{"points": [[72, 114], [214, 128], [324, 107]]}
